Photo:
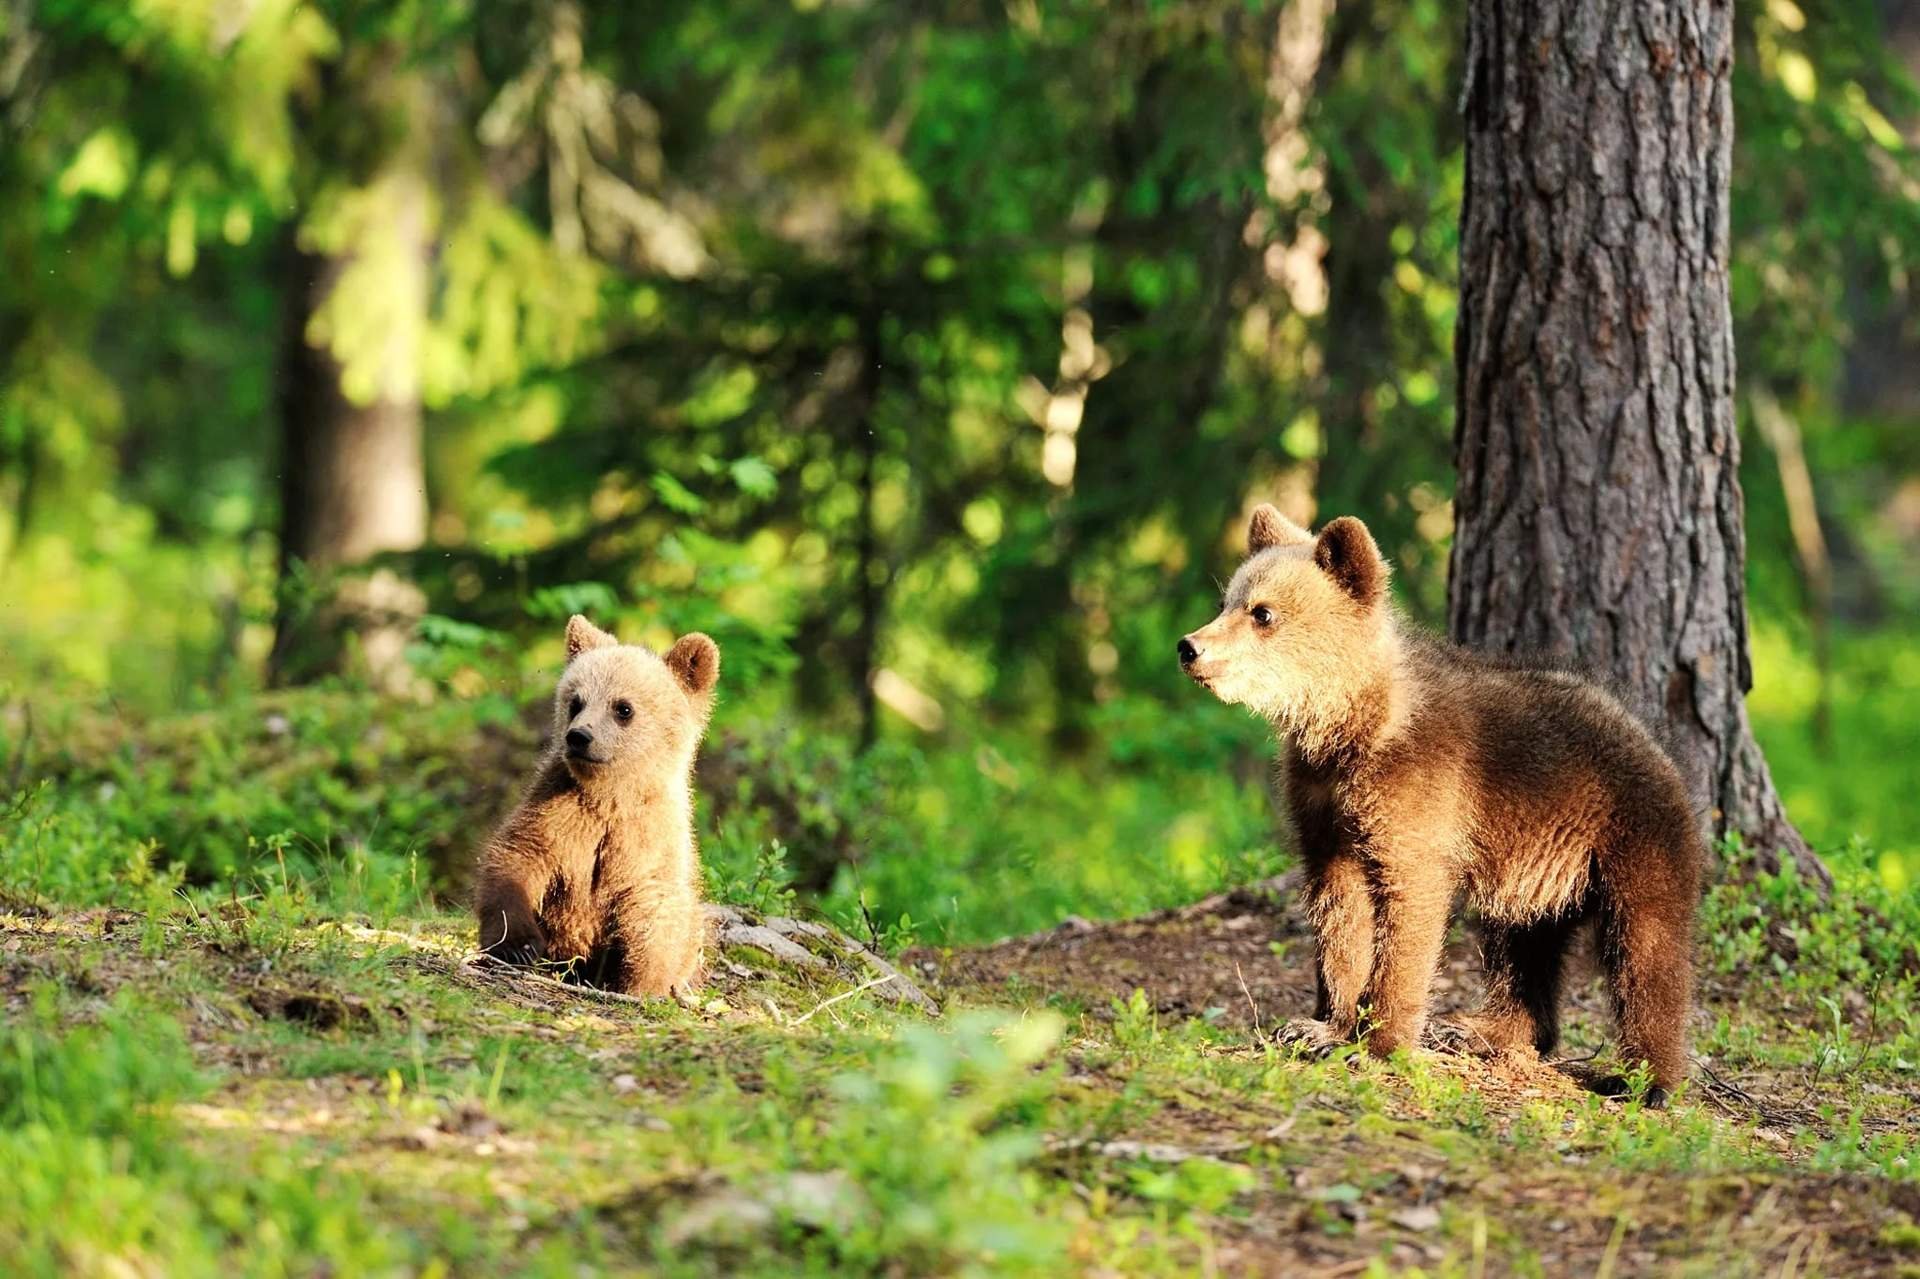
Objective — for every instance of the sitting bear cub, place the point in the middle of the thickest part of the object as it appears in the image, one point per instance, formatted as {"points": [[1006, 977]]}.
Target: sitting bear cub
{"points": [[596, 869], [1416, 770]]}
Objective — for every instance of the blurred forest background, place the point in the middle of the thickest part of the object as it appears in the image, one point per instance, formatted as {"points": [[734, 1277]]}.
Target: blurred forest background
{"points": [[927, 355]]}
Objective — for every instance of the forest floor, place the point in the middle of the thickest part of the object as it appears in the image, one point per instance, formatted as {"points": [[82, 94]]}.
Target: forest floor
{"points": [[353, 1097]]}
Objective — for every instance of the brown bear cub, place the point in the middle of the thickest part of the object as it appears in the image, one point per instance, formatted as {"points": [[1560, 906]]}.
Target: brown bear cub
{"points": [[1415, 770], [596, 869]]}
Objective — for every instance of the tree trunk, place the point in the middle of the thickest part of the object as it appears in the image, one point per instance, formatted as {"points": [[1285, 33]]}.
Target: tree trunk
{"points": [[353, 481], [868, 565], [1598, 514]]}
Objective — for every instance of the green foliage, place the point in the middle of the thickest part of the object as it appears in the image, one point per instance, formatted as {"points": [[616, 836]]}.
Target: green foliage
{"points": [[766, 320], [899, 831], [1849, 781], [98, 1081], [926, 1134], [326, 788], [96, 1174], [358, 801]]}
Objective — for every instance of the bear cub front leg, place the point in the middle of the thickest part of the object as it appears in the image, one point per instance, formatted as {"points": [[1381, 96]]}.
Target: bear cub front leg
{"points": [[1340, 908]]}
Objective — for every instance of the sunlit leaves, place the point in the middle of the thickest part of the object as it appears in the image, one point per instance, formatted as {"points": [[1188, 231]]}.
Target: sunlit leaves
{"points": [[593, 599], [677, 496], [103, 166], [754, 477], [508, 304]]}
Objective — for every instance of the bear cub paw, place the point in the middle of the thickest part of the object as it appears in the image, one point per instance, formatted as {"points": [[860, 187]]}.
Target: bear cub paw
{"points": [[1310, 1037]]}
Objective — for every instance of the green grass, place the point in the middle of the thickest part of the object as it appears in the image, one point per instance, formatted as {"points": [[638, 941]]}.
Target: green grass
{"points": [[276, 1086], [235, 1038]]}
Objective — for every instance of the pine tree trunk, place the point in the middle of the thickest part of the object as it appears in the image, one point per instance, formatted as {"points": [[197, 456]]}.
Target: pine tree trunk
{"points": [[1598, 513], [353, 480]]}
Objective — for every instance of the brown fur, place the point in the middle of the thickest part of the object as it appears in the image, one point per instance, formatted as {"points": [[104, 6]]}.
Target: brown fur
{"points": [[596, 869], [1416, 770]]}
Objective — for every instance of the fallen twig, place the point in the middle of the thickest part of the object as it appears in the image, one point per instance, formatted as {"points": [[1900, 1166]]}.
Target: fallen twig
{"points": [[491, 968], [801, 1020], [1252, 1008]]}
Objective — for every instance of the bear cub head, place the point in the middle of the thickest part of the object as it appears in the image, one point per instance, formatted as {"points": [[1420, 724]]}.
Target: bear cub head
{"points": [[1303, 626], [622, 714]]}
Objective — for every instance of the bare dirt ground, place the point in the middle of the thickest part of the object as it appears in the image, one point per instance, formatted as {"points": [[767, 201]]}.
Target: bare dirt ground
{"points": [[1244, 959]]}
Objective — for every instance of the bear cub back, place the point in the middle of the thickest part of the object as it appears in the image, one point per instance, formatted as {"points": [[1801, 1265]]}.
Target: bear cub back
{"points": [[596, 870]]}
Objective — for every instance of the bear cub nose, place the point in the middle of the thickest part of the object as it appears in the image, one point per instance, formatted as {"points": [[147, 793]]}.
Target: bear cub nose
{"points": [[578, 739], [1188, 653]]}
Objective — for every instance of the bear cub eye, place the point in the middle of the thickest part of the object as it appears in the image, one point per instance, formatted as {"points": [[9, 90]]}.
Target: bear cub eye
{"points": [[577, 705], [623, 711], [1262, 615]]}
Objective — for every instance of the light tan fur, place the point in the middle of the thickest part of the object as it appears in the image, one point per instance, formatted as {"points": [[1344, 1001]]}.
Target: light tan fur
{"points": [[596, 870], [1416, 771]]}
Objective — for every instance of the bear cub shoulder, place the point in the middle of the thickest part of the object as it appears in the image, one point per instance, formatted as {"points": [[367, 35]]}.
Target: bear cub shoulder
{"points": [[596, 870]]}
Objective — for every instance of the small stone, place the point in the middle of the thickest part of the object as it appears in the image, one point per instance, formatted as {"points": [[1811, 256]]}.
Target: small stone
{"points": [[1420, 1217], [469, 1119], [625, 1084], [420, 1138]]}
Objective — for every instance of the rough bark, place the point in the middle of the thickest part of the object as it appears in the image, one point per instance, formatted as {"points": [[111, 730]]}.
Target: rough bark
{"points": [[1598, 514], [352, 481]]}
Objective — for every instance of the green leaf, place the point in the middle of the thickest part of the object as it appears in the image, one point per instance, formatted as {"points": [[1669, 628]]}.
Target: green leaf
{"points": [[551, 603], [450, 632], [754, 477], [677, 496]]}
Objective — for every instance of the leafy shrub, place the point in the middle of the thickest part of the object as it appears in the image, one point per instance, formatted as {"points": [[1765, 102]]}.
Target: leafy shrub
{"points": [[994, 836]]}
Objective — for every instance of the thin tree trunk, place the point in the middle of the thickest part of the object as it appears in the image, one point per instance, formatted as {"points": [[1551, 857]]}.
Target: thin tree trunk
{"points": [[867, 560], [1598, 513], [352, 478], [1782, 435], [1356, 356]]}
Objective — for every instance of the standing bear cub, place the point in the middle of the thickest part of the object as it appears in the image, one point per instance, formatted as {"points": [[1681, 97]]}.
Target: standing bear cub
{"points": [[1415, 769], [596, 869]]}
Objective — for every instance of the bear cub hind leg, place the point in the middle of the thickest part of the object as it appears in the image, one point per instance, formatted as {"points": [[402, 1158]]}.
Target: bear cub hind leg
{"points": [[1523, 966]]}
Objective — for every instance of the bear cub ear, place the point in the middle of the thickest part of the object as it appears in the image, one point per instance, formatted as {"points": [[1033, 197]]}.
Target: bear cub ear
{"points": [[583, 635], [1268, 528], [694, 660], [1346, 551]]}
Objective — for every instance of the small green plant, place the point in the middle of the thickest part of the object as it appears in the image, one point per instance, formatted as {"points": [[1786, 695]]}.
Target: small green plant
{"points": [[1136, 1026], [1192, 1185], [938, 1136], [765, 884]]}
